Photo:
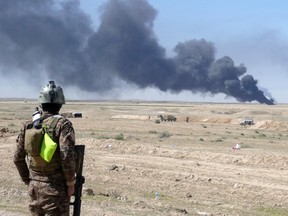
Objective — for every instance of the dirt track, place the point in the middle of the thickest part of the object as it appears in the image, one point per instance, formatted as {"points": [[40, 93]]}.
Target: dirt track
{"points": [[191, 165]]}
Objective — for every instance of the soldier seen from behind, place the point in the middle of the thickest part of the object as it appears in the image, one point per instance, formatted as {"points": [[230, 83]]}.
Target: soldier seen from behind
{"points": [[47, 164]]}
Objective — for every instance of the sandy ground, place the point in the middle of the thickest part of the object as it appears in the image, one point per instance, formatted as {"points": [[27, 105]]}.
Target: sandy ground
{"points": [[134, 166]]}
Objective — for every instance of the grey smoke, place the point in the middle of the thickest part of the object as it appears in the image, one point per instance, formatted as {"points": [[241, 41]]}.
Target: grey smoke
{"points": [[57, 38]]}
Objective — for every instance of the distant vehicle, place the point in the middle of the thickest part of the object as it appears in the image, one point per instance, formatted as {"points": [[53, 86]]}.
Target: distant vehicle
{"points": [[72, 114], [247, 121], [167, 117]]}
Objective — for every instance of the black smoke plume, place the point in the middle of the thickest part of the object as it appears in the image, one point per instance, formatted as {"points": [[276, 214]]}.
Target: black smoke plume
{"points": [[57, 40]]}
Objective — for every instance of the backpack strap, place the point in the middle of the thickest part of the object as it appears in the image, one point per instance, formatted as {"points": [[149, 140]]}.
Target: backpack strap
{"points": [[51, 125]]}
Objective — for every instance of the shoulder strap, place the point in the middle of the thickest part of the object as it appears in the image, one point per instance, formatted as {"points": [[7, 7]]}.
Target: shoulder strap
{"points": [[51, 125]]}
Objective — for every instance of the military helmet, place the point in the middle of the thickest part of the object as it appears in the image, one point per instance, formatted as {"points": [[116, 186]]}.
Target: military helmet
{"points": [[51, 93]]}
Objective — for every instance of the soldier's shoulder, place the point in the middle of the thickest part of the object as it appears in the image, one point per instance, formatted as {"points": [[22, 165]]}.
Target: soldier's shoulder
{"points": [[63, 120], [27, 124]]}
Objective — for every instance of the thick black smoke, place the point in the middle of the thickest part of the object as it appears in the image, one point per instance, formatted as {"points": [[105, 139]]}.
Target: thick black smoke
{"points": [[57, 39]]}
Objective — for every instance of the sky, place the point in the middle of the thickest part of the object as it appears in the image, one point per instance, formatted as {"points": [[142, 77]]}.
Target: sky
{"points": [[253, 33]]}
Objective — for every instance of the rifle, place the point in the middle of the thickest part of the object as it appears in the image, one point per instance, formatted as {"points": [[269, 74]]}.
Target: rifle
{"points": [[80, 180]]}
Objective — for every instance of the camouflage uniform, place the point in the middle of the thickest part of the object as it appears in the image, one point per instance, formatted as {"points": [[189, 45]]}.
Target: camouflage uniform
{"points": [[48, 182]]}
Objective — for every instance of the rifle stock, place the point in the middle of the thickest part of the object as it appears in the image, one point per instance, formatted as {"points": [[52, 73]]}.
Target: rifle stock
{"points": [[80, 180]]}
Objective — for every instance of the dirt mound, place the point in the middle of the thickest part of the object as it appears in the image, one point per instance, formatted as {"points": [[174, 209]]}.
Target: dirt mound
{"points": [[204, 119], [217, 120], [134, 117], [271, 125]]}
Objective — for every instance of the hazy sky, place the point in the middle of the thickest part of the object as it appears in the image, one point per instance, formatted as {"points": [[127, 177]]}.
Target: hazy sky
{"points": [[252, 32]]}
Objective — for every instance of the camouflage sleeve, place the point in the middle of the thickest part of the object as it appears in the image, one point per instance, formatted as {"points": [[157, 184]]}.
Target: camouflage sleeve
{"points": [[67, 143], [19, 157]]}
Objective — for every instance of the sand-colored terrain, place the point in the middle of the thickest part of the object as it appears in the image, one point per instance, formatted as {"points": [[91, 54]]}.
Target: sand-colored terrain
{"points": [[134, 166]]}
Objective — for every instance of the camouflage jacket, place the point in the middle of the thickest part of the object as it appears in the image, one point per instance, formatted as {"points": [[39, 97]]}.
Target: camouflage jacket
{"points": [[65, 137]]}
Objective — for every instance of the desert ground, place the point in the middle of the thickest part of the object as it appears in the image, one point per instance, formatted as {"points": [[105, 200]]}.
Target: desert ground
{"points": [[135, 166]]}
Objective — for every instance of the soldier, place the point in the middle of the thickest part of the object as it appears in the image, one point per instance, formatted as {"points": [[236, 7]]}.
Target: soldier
{"points": [[51, 184]]}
